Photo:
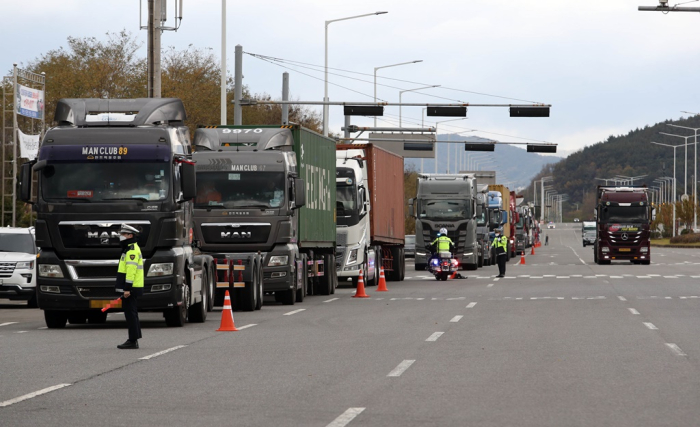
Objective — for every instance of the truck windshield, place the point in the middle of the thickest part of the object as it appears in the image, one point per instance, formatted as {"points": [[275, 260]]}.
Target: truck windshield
{"points": [[445, 209], [481, 220], [346, 200], [589, 228], [17, 243], [520, 223], [240, 190], [624, 214], [495, 216], [95, 182]]}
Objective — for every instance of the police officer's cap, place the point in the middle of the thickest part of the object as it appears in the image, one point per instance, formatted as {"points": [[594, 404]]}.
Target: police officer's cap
{"points": [[127, 229]]}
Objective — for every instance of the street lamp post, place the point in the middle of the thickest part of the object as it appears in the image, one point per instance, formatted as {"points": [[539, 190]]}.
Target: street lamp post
{"points": [[325, 77], [437, 136], [410, 90], [685, 139], [674, 182], [695, 181], [375, 81]]}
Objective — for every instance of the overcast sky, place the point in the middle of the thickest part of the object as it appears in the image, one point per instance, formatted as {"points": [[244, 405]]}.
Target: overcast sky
{"points": [[605, 67]]}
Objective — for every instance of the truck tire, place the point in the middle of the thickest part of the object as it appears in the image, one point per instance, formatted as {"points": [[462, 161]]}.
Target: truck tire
{"points": [[378, 263], [335, 279], [249, 293], [198, 312], [55, 319], [211, 289], [480, 261], [325, 282], [301, 291], [77, 318], [176, 317], [33, 303], [402, 262], [261, 294]]}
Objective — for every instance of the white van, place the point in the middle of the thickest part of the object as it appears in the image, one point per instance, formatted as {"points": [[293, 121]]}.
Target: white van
{"points": [[18, 264]]}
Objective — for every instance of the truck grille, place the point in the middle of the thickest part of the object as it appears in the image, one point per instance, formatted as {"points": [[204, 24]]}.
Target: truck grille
{"points": [[104, 292], [7, 268], [97, 272], [341, 238]]}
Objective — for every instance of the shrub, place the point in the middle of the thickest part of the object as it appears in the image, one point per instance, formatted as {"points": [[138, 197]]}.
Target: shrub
{"points": [[686, 238], [686, 231]]}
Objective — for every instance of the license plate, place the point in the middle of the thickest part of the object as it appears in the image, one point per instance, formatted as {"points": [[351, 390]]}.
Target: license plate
{"points": [[102, 303], [625, 250]]}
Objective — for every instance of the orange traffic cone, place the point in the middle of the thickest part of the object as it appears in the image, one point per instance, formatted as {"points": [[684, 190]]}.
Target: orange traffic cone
{"points": [[522, 258], [532, 250], [360, 293], [227, 324], [382, 281], [454, 274]]}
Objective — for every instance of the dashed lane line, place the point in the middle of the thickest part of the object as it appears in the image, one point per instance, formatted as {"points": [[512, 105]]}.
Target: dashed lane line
{"points": [[633, 311], [32, 395], [20, 332], [247, 326], [294, 312], [471, 305], [332, 299], [160, 353], [435, 336], [346, 417], [489, 285], [7, 323], [650, 326], [401, 368], [621, 298], [456, 319], [674, 348]]}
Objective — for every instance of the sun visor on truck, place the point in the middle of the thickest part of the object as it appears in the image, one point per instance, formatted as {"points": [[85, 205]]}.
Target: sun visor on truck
{"points": [[119, 112], [225, 138]]}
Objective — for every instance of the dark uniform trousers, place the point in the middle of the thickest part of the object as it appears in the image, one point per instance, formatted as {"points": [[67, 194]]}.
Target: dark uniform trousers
{"points": [[131, 313], [501, 260]]}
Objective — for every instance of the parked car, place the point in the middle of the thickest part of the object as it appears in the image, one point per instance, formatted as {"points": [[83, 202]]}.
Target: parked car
{"points": [[18, 264], [550, 225], [410, 246]]}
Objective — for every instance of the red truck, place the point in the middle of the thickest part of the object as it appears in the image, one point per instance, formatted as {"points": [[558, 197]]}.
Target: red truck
{"points": [[623, 220]]}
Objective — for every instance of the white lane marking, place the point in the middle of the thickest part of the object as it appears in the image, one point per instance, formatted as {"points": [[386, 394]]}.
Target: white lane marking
{"points": [[562, 277], [616, 277], [151, 356], [43, 327], [7, 323], [408, 278], [345, 418], [622, 298], [577, 256], [456, 319], [675, 349], [32, 395], [435, 336], [20, 332], [401, 368], [332, 299], [489, 285], [650, 325], [247, 326], [633, 311], [294, 312], [471, 305], [496, 279]]}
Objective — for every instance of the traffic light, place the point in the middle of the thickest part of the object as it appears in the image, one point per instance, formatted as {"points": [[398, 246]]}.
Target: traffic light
{"points": [[541, 148], [529, 111], [479, 146], [363, 110], [447, 111]]}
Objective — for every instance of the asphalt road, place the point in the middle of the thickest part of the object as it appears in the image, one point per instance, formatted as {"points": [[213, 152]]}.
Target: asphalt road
{"points": [[558, 342]]}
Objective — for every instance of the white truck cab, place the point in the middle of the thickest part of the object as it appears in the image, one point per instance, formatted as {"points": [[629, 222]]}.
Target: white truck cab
{"points": [[18, 254]]}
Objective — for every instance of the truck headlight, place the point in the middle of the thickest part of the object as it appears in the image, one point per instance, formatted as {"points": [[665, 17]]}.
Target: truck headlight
{"points": [[277, 260], [420, 253], [160, 269], [50, 270], [605, 249], [352, 258], [644, 250], [25, 265]]}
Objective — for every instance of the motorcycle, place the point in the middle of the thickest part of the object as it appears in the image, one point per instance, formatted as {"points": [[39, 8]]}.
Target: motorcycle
{"points": [[443, 265]]}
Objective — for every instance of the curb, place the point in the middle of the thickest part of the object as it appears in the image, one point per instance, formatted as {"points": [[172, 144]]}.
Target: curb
{"points": [[675, 246]]}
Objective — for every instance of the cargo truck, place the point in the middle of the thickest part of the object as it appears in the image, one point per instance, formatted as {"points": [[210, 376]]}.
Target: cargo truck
{"points": [[482, 225], [500, 206], [370, 217], [588, 232], [623, 219], [110, 162], [446, 201], [266, 195]]}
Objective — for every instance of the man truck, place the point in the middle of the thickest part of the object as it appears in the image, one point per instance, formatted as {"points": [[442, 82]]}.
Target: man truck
{"points": [[369, 209], [110, 162], [623, 219], [483, 234], [446, 201], [266, 201]]}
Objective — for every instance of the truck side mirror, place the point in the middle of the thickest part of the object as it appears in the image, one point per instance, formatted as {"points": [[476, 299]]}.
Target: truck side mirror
{"points": [[188, 180], [653, 214], [299, 193], [479, 210], [411, 209], [25, 182]]}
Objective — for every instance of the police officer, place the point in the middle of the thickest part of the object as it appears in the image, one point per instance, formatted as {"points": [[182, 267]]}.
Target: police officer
{"points": [[500, 243], [442, 243], [130, 282]]}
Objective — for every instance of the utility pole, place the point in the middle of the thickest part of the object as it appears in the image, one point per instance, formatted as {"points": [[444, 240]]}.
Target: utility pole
{"points": [[238, 86], [223, 62], [155, 13], [285, 97]]}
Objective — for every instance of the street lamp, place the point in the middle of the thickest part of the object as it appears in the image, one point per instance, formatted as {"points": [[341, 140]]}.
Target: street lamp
{"points": [[325, 77], [410, 90], [685, 138], [437, 136], [695, 181], [674, 182], [542, 180], [375, 81]]}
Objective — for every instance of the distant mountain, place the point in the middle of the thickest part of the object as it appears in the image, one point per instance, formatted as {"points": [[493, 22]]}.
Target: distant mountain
{"points": [[514, 166], [631, 155]]}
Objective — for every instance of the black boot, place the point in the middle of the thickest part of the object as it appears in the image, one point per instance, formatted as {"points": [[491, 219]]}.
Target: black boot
{"points": [[128, 345]]}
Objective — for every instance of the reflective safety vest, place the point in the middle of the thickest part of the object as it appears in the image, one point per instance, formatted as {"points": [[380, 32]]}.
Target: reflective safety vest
{"points": [[443, 243], [500, 243], [131, 266]]}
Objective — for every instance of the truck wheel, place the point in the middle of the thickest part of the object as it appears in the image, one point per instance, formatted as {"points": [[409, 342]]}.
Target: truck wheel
{"points": [[32, 303], [248, 293], [96, 317], [301, 291], [177, 316], [480, 261], [335, 279], [210, 287], [402, 263], [325, 282], [198, 312], [55, 319], [259, 302], [377, 265], [289, 297]]}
